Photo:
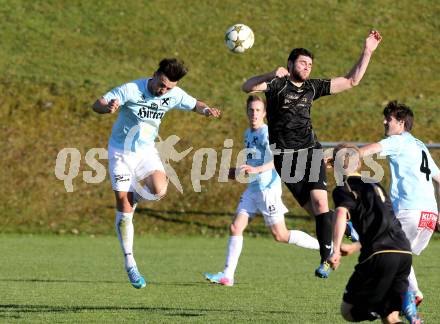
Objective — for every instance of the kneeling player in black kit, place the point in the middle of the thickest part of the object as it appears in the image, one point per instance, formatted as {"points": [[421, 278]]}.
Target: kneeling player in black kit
{"points": [[375, 288]]}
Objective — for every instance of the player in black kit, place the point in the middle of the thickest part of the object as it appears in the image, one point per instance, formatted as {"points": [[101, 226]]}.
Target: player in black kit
{"points": [[380, 279], [297, 153]]}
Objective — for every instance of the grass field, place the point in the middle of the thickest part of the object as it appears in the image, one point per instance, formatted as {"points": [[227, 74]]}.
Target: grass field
{"points": [[74, 279]]}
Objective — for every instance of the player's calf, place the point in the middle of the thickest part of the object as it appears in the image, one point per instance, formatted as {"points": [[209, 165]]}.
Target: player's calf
{"points": [[280, 233]]}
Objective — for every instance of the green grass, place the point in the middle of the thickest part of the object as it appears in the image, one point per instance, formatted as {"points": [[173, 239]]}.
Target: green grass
{"points": [[57, 57], [70, 279]]}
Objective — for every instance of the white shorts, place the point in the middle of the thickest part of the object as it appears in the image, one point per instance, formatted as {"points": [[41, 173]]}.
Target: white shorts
{"points": [[268, 202], [127, 168], [418, 226]]}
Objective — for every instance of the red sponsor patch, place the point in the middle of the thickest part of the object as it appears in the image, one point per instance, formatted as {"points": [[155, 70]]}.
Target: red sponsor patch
{"points": [[428, 220]]}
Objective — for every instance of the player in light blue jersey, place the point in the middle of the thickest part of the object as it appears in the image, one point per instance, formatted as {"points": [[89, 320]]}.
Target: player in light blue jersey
{"points": [[412, 174], [263, 195], [134, 161]]}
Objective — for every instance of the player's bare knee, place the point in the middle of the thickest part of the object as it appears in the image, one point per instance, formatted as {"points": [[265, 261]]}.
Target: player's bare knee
{"points": [[320, 206], [236, 229]]}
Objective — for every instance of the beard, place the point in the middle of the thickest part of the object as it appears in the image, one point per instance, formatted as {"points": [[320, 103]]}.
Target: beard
{"points": [[297, 76]]}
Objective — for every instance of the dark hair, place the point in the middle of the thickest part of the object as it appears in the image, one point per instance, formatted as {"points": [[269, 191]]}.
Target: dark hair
{"points": [[253, 98], [401, 112], [297, 52], [172, 68]]}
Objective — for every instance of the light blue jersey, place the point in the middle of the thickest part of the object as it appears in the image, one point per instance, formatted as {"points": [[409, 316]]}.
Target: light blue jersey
{"points": [[412, 169], [259, 153], [141, 113]]}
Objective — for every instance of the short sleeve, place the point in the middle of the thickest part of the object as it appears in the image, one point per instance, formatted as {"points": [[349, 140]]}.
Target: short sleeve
{"points": [[391, 145], [343, 198], [185, 101], [274, 86], [121, 93], [321, 87]]}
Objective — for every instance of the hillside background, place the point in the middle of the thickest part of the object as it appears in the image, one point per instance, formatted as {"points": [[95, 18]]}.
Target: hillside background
{"points": [[58, 57]]}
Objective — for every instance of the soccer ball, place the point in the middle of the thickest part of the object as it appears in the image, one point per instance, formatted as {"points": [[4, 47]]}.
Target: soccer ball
{"points": [[239, 38]]}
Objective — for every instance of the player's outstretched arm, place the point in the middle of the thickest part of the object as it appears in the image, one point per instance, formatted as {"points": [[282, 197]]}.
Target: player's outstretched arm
{"points": [[357, 72], [203, 109], [248, 169], [258, 83], [370, 149], [101, 106]]}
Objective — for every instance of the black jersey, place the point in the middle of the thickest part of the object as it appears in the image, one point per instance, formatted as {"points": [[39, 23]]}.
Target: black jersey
{"points": [[288, 111], [372, 216]]}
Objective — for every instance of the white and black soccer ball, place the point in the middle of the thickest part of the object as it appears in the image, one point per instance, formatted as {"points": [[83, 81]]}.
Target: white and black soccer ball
{"points": [[239, 38]]}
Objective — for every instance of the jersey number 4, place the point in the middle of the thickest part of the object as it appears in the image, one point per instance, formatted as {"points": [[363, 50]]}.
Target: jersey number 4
{"points": [[424, 168]]}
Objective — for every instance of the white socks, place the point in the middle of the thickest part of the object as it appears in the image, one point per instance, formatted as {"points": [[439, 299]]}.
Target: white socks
{"points": [[235, 244], [125, 231], [413, 285], [303, 239]]}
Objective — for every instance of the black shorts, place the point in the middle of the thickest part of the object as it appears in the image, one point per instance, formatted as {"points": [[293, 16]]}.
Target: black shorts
{"points": [[302, 171], [378, 283]]}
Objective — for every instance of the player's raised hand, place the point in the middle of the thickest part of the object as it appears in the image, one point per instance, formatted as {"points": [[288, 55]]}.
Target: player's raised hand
{"points": [[280, 72], [373, 40], [113, 106]]}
